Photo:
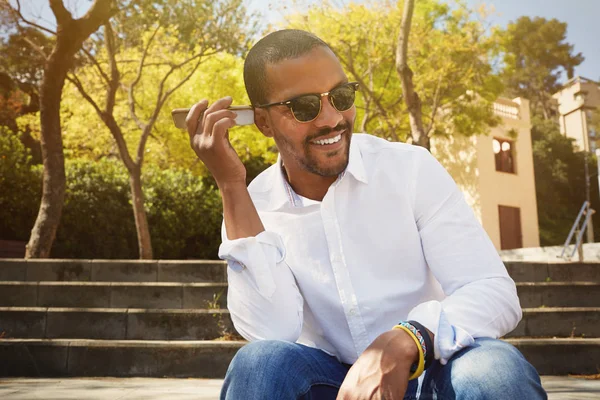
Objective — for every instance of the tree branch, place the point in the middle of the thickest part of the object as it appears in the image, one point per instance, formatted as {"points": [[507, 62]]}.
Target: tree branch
{"points": [[75, 81], [113, 83], [63, 16], [436, 101], [108, 120], [37, 48], [96, 64], [163, 98], [26, 21], [131, 87]]}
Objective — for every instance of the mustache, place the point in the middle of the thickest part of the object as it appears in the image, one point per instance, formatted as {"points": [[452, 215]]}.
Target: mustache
{"points": [[342, 126]]}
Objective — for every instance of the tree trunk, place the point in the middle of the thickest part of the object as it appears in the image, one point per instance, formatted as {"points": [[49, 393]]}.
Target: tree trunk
{"points": [[53, 192], [413, 102], [69, 37], [137, 193], [139, 212]]}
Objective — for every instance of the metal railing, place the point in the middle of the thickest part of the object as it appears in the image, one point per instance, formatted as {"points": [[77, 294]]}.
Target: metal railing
{"points": [[585, 209]]}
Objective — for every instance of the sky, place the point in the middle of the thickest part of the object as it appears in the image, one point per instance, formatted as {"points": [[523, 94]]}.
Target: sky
{"points": [[582, 18]]}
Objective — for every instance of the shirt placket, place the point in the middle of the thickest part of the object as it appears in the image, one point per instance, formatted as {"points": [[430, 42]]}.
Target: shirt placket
{"points": [[340, 271]]}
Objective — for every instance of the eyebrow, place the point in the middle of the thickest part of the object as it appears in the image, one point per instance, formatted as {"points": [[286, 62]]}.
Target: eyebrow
{"points": [[341, 82]]}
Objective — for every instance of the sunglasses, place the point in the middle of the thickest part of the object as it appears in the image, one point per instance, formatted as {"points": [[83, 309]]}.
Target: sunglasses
{"points": [[307, 107]]}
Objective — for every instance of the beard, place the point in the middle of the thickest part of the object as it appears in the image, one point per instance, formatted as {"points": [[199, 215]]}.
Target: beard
{"points": [[308, 159]]}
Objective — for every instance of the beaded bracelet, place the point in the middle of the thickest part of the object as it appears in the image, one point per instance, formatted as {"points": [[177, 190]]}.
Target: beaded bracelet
{"points": [[420, 367], [417, 334], [429, 355]]}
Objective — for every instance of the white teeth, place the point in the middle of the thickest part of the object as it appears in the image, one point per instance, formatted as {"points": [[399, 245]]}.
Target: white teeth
{"points": [[329, 141]]}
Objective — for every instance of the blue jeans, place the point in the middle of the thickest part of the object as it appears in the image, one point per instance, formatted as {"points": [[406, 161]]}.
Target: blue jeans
{"points": [[271, 369]]}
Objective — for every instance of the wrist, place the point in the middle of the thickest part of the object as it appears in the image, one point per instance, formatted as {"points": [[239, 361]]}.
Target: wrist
{"points": [[231, 186], [406, 346]]}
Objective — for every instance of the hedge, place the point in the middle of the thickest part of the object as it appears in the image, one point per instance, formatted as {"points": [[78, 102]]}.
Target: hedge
{"points": [[184, 210]]}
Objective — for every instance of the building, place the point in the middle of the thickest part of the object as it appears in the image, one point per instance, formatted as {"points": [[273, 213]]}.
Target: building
{"points": [[577, 100], [495, 173]]}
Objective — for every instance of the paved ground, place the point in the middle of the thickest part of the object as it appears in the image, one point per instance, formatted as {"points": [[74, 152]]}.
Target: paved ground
{"points": [[558, 387]]}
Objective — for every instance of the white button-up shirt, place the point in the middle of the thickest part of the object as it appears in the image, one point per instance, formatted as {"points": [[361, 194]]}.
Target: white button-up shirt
{"points": [[393, 239]]}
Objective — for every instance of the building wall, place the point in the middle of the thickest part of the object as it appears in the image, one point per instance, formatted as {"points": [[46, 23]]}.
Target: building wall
{"points": [[507, 189], [457, 154], [576, 97], [575, 128], [471, 162]]}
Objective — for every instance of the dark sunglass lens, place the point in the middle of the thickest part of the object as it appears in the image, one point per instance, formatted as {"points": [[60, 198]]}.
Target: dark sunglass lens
{"points": [[306, 108], [343, 97]]}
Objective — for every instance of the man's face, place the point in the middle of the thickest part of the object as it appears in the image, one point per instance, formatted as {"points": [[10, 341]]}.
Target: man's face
{"points": [[318, 71]]}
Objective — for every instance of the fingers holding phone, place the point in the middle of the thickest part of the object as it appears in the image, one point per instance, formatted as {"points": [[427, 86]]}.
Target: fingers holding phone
{"points": [[208, 129]]}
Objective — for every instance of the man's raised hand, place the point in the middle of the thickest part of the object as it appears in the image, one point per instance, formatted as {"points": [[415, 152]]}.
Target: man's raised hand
{"points": [[209, 138]]}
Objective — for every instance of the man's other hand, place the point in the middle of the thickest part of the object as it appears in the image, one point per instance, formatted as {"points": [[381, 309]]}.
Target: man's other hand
{"points": [[382, 370]]}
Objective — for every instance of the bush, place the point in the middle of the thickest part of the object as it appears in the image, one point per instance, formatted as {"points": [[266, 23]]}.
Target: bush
{"points": [[97, 219], [20, 188], [184, 212]]}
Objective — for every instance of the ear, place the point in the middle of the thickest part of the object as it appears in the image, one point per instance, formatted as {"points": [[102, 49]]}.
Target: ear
{"points": [[263, 122]]}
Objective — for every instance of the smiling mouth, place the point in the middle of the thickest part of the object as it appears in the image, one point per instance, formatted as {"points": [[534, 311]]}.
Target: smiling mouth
{"points": [[330, 141]]}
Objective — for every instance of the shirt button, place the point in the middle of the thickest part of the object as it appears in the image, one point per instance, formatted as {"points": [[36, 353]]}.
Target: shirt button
{"points": [[352, 311]]}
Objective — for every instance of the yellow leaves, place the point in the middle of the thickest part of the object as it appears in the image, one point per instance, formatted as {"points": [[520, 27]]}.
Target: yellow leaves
{"points": [[31, 122]]}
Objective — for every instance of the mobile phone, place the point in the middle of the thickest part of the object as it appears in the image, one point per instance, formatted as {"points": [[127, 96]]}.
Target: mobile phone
{"points": [[244, 115]]}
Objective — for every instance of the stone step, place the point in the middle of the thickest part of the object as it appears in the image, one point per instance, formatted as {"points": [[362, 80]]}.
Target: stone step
{"points": [[191, 324], [210, 359], [559, 294], [214, 295], [114, 323], [559, 322], [113, 294], [112, 270], [214, 271], [553, 272]]}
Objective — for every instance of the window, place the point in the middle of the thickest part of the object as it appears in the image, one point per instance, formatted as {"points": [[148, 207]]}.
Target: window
{"points": [[504, 154]]}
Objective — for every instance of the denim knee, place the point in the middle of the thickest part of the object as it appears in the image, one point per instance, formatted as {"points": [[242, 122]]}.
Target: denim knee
{"points": [[263, 367], [493, 369]]}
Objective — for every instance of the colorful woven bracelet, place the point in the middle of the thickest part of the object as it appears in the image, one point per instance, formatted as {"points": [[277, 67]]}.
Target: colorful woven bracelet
{"points": [[417, 334], [429, 356]]}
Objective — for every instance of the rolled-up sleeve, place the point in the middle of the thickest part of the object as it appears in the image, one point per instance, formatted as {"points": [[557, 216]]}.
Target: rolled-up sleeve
{"points": [[481, 297], [263, 298]]}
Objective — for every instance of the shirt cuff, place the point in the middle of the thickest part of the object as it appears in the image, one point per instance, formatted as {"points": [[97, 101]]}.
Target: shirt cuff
{"points": [[448, 338], [257, 254]]}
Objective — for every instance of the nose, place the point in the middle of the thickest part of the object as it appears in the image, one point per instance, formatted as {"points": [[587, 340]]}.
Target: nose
{"points": [[329, 116]]}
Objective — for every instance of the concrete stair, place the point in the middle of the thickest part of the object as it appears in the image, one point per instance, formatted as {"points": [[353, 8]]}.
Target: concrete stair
{"points": [[165, 318]]}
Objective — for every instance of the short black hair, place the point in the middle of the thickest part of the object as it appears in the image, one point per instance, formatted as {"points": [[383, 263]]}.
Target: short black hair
{"points": [[273, 48]]}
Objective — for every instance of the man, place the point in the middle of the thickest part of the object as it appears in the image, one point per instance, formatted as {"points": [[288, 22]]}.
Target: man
{"points": [[344, 238]]}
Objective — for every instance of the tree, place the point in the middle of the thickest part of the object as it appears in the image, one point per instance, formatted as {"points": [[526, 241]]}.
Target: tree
{"points": [[535, 54], [448, 48], [70, 34], [21, 72], [166, 41], [411, 98], [560, 182]]}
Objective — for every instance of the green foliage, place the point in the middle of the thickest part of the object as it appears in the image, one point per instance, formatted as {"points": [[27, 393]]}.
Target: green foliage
{"points": [[560, 182], [449, 54], [97, 218], [85, 135], [185, 213], [535, 54], [19, 60], [20, 188]]}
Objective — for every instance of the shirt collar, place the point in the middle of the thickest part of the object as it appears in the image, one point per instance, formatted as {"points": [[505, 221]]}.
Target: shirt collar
{"points": [[282, 194]]}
